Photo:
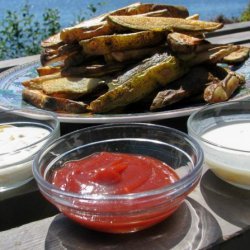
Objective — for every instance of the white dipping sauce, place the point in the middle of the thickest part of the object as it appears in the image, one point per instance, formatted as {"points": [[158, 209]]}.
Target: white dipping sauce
{"points": [[231, 162], [235, 136], [13, 143]]}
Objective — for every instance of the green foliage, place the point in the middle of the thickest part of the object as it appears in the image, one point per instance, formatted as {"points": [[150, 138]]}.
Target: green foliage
{"points": [[245, 16], [21, 34], [91, 10]]}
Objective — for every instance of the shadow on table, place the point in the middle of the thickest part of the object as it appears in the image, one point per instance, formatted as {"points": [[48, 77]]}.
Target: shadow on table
{"points": [[188, 228], [227, 201]]}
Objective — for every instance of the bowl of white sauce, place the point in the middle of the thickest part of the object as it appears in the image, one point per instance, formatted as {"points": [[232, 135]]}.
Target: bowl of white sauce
{"points": [[223, 131], [22, 134]]}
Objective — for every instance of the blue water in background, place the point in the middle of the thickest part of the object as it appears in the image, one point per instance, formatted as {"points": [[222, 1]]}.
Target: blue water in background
{"points": [[70, 9]]}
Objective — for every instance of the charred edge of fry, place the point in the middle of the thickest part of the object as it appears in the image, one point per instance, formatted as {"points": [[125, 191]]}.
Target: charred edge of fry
{"points": [[192, 83], [97, 70], [221, 91], [40, 100], [119, 42], [48, 70]]}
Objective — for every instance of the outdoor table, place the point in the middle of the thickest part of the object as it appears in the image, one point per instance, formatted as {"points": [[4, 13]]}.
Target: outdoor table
{"points": [[215, 215]]}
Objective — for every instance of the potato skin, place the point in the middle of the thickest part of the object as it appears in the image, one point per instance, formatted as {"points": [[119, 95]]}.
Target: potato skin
{"points": [[158, 71], [163, 23], [61, 105], [102, 45]]}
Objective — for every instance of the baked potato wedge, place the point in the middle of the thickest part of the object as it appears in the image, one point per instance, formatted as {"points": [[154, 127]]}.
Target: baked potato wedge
{"points": [[70, 87], [139, 82], [163, 23], [102, 45], [48, 70], [221, 91], [36, 83], [76, 34], [238, 56], [98, 26], [182, 43], [43, 101]]}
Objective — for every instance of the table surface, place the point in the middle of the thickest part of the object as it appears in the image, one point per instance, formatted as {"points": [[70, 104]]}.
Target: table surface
{"points": [[215, 214]]}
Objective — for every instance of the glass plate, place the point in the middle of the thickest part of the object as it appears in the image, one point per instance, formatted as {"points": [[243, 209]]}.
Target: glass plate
{"points": [[11, 97]]}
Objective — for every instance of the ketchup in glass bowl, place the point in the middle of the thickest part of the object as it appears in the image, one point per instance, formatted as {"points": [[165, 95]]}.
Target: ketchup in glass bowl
{"points": [[119, 178]]}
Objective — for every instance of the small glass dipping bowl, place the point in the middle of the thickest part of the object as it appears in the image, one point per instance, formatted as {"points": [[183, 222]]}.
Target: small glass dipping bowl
{"points": [[121, 213], [230, 161], [16, 163]]}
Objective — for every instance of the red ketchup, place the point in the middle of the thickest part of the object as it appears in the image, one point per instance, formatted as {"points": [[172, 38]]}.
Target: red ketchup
{"points": [[115, 174]]}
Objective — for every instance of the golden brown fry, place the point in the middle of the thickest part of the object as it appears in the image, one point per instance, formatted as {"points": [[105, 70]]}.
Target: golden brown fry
{"points": [[106, 44], [52, 41], [70, 87], [40, 100], [173, 11], [238, 56], [133, 54], [48, 70], [139, 82], [94, 70], [221, 91], [36, 83], [76, 34], [193, 17], [163, 23], [49, 56], [182, 43]]}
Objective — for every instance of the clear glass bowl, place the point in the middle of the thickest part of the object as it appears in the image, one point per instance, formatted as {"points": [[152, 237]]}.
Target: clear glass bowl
{"points": [[230, 161], [127, 212], [16, 161]]}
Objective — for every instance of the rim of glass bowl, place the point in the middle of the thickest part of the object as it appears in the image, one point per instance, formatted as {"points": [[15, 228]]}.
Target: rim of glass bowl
{"points": [[33, 114], [208, 107], [183, 182]]}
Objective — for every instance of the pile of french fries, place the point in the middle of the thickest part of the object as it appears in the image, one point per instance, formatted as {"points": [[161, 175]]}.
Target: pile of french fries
{"points": [[143, 55]]}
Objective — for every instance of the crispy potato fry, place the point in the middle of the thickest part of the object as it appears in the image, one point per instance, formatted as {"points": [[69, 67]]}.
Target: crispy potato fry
{"points": [[159, 70], [71, 87], [238, 56], [221, 91], [75, 34], [163, 23], [36, 83], [193, 17], [40, 100], [102, 45], [133, 54], [144, 78], [94, 70], [48, 70], [52, 41], [183, 43], [173, 11]]}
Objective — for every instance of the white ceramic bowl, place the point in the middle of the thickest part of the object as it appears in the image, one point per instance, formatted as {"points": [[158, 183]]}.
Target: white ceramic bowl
{"points": [[223, 131]]}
